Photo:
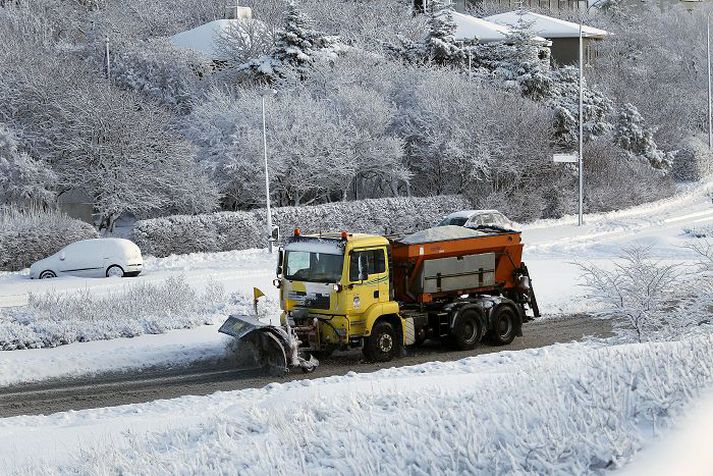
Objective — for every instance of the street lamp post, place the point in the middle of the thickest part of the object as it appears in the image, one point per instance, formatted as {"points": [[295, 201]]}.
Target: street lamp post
{"points": [[708, 51], [267, 179], [580, 220]]}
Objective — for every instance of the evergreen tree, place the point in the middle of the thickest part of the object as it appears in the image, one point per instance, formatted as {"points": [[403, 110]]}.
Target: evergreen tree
{"points": [[519, 61], [440, 43], [297, 48], [632, 135]]}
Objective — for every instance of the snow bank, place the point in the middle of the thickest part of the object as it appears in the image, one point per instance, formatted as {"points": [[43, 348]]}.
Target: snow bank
{"points": [[54, 319], [240, 230], [567, 409], [28, 236]]}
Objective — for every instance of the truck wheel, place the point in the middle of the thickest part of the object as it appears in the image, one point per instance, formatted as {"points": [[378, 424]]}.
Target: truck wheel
{"points": [[504, 321], [466, 331], [381, 345]]}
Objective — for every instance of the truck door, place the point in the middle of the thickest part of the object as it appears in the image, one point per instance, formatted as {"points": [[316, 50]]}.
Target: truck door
{"points": [[373, 289]]}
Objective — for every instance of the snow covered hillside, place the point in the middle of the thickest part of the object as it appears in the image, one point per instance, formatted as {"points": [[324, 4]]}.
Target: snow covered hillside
{"points": [[569, 409]]}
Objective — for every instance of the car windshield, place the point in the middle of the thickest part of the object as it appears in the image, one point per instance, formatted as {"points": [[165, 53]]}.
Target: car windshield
{"points": [[457, 221], [313, 266]]}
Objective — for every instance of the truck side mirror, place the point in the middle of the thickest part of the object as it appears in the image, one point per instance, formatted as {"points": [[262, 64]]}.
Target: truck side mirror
{"points": [[61, 256], [280, 255], [363, 264], [275, 234]]}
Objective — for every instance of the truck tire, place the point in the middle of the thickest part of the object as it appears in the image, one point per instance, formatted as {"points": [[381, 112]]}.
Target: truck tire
{"points": [[466, 331], [504, 325], [381, 345]]}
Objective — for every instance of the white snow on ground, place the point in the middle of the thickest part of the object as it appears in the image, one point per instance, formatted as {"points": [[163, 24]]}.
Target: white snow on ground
{"points": [[567, 409], [686, 450], [551, 249], [175, 348]]}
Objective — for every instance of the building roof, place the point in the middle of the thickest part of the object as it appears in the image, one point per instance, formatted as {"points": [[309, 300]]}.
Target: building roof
{"points": [[469, 27], [548, 27], [205, 39]]}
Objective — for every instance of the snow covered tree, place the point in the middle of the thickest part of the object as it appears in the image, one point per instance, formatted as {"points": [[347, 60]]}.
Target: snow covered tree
{"points": [[519, 61], [161, 71], [564, 99], [244, 40], [297, 48], [632, 135], [438, 46], [23, 180], [440, 42]]}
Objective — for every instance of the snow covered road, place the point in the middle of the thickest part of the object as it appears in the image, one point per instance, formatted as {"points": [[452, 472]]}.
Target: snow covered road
{"points": [[201, 374], [552, 247]]}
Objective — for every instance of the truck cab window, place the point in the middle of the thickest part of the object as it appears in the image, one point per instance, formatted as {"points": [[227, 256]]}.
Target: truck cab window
{"points": [[375, 259]]}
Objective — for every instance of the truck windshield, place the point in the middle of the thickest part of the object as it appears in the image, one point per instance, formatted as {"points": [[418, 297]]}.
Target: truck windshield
{"points": [[313, 267]]}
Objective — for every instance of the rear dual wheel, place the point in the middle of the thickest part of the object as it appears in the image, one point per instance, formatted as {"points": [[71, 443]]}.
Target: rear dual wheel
{"points": [[466, 332], [504, 326]]}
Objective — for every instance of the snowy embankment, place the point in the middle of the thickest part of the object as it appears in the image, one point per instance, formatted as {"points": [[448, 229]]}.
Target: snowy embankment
{"points": [[568, 409]]}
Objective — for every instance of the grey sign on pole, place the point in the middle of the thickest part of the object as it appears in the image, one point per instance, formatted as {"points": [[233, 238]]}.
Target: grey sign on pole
{"points": [[569, 158]]}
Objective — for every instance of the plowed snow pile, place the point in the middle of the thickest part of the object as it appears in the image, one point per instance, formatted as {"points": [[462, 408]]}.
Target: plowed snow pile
{"points": [[566, 409]]}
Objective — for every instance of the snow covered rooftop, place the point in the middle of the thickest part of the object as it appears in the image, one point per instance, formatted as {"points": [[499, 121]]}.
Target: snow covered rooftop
{"points": [[469, 27], [548, 27], [205, 39]]}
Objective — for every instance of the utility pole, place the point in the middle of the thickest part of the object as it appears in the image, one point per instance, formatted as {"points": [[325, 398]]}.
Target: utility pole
{"points": [[580, 221], [710, 112], [267, 179]]}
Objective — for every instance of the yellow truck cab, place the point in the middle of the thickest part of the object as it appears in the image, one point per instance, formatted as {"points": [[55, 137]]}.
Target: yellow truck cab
{"points": [[335, 290]]}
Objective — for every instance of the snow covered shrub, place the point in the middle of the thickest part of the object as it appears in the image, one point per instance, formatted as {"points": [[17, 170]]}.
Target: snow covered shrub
{"points": [[181, 234], [50, 320], [649, 300], [23, 180], [27, 235], [694, 159], [699, 231], [381, 216], [615, 179], [223, 231]]}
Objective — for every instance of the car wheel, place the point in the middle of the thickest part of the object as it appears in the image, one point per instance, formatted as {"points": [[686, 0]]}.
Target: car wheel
{"points": [[115, 271], [47, 274]]}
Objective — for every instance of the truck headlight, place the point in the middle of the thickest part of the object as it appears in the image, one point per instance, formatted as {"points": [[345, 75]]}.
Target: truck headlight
{"points": [[337, 287], [277, 283]]}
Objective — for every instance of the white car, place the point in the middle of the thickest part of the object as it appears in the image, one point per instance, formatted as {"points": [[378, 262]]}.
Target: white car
{"points": [[104, 257], [478, 219]]}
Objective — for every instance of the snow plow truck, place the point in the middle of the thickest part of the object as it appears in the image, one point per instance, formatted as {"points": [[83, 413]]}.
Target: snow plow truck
{"points": [[349, 290]]}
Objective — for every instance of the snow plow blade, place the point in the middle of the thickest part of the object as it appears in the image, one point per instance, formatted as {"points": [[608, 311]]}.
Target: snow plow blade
{"points": [[271, 348]]}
